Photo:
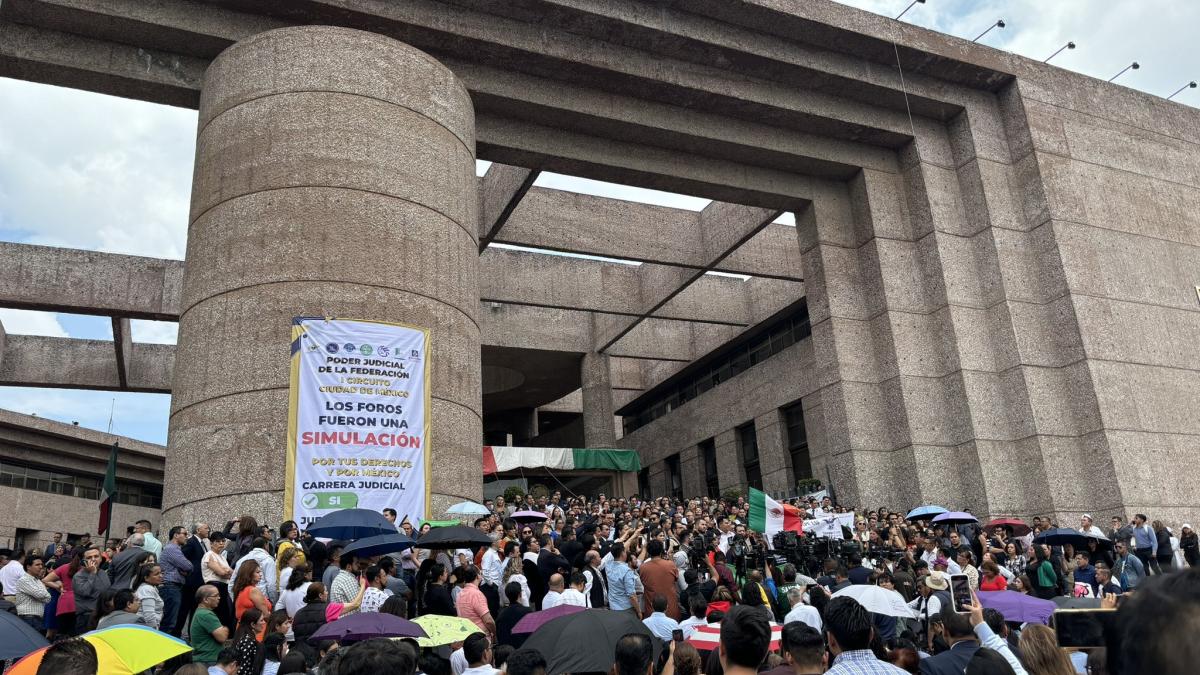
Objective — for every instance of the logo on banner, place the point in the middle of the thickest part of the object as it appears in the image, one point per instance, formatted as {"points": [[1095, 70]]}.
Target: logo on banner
{"points": [[365, 350], [349, 347], [383, 350], [331, 348]]}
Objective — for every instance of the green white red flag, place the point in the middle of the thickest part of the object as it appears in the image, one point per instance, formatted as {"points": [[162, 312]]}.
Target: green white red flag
{"points": [[769, 516], [108, 492]]}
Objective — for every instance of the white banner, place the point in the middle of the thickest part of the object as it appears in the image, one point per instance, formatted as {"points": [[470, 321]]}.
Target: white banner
{"points": [[829, 524], [358, 419]]}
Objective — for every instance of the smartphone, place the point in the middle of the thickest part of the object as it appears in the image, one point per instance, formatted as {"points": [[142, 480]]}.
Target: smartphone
{"points": [[1082, 628], [677, 635], [960, 591]]}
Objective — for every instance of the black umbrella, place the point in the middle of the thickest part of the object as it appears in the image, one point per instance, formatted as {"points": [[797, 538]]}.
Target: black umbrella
{"points": [[17, 639], [1060, 536], [455, 536], [351, 524], [1102, 543], [584, 642], [380, 544]]}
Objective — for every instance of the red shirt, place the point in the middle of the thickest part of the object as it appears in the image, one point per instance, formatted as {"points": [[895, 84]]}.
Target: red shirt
{"points": [[997, 584]]}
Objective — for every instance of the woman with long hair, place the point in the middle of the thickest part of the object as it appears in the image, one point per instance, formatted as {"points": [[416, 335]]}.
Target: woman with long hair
{"points": [[65, 610], [1041, 654], [514, 570], [438, 598], [145, 587], [422, 582], [1042, 574], [245, 640], [1017, 562], [246, 594], [247, 531], [1165, 553], [291, 598]]}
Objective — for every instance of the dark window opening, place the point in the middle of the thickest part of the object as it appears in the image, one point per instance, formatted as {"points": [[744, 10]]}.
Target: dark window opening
{"points": [[797, 440], [748, 442]]}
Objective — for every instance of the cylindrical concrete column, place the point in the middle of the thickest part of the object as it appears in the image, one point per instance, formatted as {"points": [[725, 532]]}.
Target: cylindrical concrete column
{"points": [[334, 176]]}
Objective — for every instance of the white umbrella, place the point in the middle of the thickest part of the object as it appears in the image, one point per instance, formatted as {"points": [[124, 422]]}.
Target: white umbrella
{"points": [[468, 509], [877, 600]]}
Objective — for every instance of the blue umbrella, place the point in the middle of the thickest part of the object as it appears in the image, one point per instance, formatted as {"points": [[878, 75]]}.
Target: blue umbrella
{"points": [[925, 511], [351, 524], [380, 544], [468, 509], [17, 639], [955, 518]]}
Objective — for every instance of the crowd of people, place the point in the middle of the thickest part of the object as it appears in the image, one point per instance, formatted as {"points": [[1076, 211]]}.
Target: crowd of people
{"points": [[248, 599]]}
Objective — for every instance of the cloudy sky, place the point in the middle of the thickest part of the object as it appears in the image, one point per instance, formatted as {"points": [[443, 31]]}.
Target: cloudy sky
{"points": [[95, 172]]}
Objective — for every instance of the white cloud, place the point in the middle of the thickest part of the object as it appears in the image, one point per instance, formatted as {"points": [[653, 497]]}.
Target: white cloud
{"points": [[84, 170], [25, 322], [140, 416], [158, 332]]}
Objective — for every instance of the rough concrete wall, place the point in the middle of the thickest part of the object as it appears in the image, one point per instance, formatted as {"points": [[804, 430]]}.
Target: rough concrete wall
{"points": [[32, 510], [755, 395], [1121, 211]]}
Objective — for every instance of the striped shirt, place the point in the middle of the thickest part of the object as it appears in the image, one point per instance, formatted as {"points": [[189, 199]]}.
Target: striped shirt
{"points": [[31, 596]]}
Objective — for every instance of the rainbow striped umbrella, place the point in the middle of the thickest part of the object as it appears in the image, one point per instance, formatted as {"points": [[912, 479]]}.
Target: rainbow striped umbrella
{"points": [[120, 650]]}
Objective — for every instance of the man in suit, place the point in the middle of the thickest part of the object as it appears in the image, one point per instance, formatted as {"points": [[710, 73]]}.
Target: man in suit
{"points": [[193, 549], [963, 645]]}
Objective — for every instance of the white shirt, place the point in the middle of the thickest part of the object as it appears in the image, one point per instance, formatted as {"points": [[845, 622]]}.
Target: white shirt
{"points": [[1092, 531], [935, 606], [293, 600], [9, 575], [493, 567], [572, 597], [552, 599], [689, 625], [458, 662], [806, 614], [485, 669]]}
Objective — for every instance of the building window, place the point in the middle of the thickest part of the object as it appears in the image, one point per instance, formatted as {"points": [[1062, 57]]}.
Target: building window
{"points": [[797, 439], [74, 485], [708, 454], [644, 484], [720, 366], [674, 477], [748, 441]]}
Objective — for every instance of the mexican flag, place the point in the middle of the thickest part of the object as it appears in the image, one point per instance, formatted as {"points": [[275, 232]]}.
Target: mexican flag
{"points": [[769, 516], [108, 492]]}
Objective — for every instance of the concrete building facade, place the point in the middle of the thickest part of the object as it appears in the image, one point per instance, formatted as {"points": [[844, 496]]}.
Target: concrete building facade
{"points": [[51, 474], [989, 299]]}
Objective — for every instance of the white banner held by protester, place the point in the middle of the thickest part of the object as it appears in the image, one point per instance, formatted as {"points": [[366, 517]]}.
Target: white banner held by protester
{"points": [[829, 525], [358, 418]]}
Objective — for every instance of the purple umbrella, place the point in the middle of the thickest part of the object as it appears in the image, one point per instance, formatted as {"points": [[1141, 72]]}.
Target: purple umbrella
{"points": [[533, 621], [1018, 606], [955, 518], [366, 625], [529, 516]]}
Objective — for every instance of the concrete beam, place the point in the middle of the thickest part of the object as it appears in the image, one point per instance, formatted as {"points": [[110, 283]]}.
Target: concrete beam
{"points": [[500, 190], [71, 363], [723, 228], [89, 282], [122, 348]]}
